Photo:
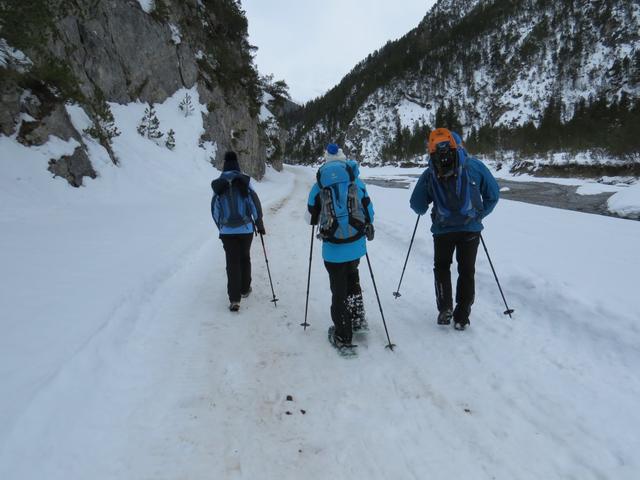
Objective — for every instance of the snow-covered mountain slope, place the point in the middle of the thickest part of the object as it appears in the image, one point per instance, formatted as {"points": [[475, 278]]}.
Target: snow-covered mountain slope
{"points": [[479, 66], [119, 358]]}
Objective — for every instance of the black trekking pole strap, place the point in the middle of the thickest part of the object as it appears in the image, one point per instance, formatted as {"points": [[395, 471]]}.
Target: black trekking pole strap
{"points": [[264, 249], [396, 294], [508, 310], [306, 306], [390, 345]]}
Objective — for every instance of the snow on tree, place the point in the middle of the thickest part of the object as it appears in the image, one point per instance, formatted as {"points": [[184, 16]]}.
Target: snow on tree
{"points": [[186, 106], [276, 88], [104, 128], [170, 143], [149, 126]]}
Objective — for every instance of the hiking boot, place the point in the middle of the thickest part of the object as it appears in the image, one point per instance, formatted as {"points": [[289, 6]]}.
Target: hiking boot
{"points": [[344, 348], [335, 339], [445, 316], [461, 317], [245, 295], [461, 324], [360, 325], [234, 306]]}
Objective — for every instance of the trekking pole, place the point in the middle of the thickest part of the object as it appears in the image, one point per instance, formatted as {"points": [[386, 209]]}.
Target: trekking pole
{"points": [[306, 307], [397, 292], [390, 345], [274, 300], [508, 311]]}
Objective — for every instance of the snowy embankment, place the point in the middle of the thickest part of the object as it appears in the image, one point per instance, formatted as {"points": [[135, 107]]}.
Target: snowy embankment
{"points": [[119, 358], [626, 203]]}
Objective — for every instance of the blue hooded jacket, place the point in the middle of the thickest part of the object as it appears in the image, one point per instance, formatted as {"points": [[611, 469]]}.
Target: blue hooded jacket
{"points": [[343, 252], [423, 194], [242, 182]]}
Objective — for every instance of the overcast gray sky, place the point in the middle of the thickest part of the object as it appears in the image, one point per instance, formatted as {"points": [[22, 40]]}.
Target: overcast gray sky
{"points": [[313, 44]]}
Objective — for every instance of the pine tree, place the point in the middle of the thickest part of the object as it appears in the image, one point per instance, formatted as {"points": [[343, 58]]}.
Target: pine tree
{"points": [[104, 128], [440, 116], [186, 106], [451, 118], [170, 143], [149, 126]]}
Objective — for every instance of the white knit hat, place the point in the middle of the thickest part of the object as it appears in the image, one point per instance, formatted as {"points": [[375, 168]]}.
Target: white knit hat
{"points": [[333, 152]]}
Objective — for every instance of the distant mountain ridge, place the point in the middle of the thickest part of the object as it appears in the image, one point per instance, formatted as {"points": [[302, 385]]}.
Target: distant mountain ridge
{"points": [[534, 76]]}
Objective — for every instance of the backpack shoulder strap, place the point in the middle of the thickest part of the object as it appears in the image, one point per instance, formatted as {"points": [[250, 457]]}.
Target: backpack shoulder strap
{"points": [[352, 175]]}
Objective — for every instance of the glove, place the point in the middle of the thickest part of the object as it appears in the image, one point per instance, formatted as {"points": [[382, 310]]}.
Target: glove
{"points": [[369, 231], [260, 229]]}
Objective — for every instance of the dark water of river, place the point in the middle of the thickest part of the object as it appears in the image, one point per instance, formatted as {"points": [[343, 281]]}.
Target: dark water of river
{"points": [[538, 193]]}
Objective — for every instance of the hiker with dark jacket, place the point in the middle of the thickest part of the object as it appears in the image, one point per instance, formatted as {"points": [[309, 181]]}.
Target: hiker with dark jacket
{"points": [[340, 205], [237, 212], [463, 192]]}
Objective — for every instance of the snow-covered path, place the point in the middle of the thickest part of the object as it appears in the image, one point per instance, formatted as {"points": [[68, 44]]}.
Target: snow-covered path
{"points": [[173, 386]]}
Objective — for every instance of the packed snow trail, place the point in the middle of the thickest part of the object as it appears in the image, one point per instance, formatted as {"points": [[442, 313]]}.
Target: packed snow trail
{"points": [[174, 386]]}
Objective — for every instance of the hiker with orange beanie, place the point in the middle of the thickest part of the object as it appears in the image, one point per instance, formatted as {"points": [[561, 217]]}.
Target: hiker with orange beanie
{"points": [[463, 192]]}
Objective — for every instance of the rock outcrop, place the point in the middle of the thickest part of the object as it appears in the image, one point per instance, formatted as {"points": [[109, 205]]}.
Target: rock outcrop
{"points": [[92, 51]]}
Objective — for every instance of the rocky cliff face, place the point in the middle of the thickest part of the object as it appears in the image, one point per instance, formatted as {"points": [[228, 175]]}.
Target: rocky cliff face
{"points": [[276, 105], [534, 76], [96, 51]]}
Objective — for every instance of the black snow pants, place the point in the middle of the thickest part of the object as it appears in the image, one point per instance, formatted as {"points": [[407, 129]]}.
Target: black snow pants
{"points": [[238, 252], [344, 280], [465, 244]]}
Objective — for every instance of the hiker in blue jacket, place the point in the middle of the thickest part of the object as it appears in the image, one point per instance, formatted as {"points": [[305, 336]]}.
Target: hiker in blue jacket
{"points": [[237, 212], [463, 192], [340, 205]]}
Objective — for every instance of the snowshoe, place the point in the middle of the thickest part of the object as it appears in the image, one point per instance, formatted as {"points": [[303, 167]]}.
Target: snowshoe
{"points": [[234, 306], [444, 317], [344, 349], [245, 295]]}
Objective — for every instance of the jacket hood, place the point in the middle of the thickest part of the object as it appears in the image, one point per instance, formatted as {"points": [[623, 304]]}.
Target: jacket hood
{"points": [[220, 184]]}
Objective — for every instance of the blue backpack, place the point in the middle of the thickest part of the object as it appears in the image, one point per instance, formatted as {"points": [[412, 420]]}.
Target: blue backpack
{"points": [[232, 207], [457, 201], [342, 215]]}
